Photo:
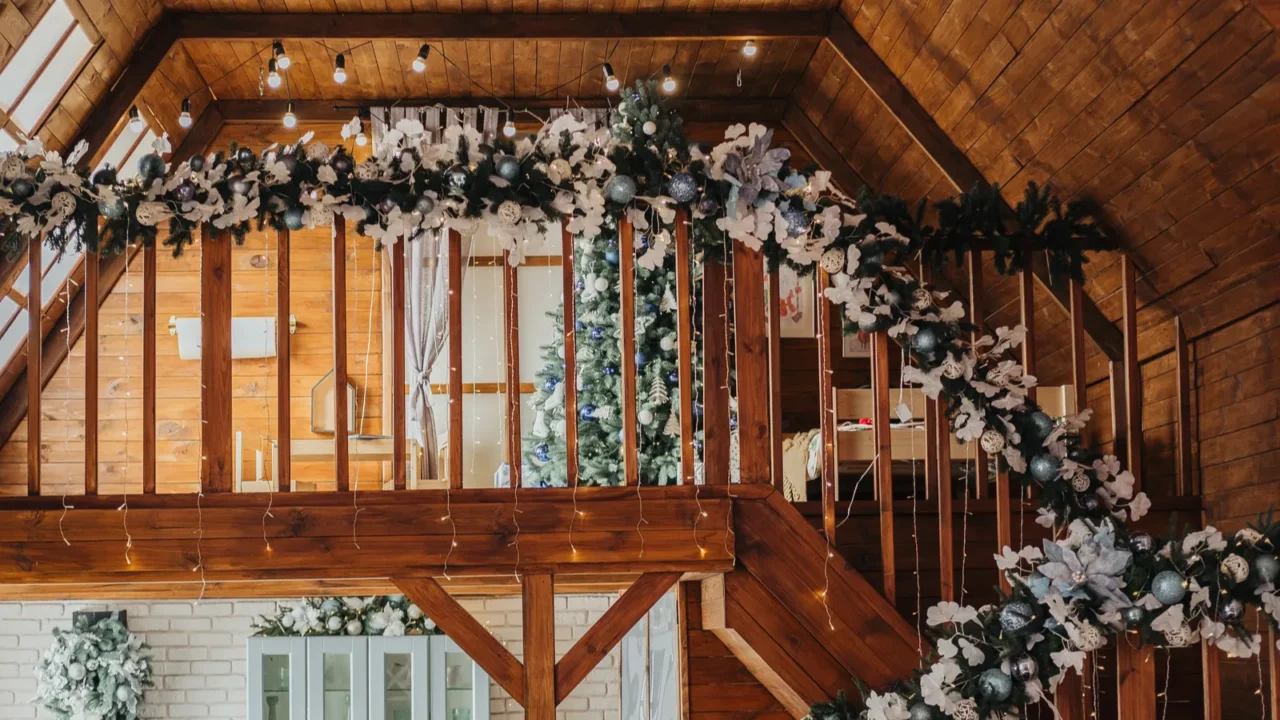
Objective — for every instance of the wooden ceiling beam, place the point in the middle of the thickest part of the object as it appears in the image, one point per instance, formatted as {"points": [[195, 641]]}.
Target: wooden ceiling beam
{"points": [[498, 26], [962, 173], [824, 153]]}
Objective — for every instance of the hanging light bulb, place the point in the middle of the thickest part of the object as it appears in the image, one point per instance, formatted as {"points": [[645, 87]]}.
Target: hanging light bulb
{"points": [[361, 138], [749, 48], [420, 62], [610, 81], [668, 82], [509, 129], [282, 59], [136, 122], [339, 69], [273, 77], [184, 119], [290, 120]]}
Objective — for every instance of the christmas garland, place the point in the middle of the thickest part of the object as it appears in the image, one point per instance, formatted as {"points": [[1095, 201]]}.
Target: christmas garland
{"points": [[390, 615], [1096, 579], [94, 670]]}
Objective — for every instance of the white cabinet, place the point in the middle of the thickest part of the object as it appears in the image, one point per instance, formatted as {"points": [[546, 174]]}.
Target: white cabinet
{"points": [[364, 678]]}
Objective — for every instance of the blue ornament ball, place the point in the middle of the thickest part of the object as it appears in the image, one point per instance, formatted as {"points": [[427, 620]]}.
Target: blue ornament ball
{"points": [[293, 218], [797, 221], [1042, 423], [673, 378], [150, 166], [1044, 467], [185, 192], [542, 452], [1267, 568], [1169, 587], [925, 341], [682, 187], [641, 359], [577, 325], [597, 333], [112, 209], [609, 370], [508, 167], [196, 163], [994, 685], [1016, 615], [621, 189], [651, 308], [611, 256], [708, 206], [550, 383], [580, 284], [585, 412], [1024, 667]]}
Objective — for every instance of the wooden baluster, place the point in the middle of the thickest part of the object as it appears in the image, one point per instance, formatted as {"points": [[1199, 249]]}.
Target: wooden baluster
{"points": [[715, 374], [215, 360], [775, 381], [399, 451], [1027, 311], [684, 356], [882, 432], [1119, 425], [570, 377], [627, 309], [511, 312], [830, 471], [91, 350], [455, 359], [1132, 371], [1079, 373], [1273, 672], [35, 374], [1135, 678], [938, 471], [539, 646], [284, 428], [1211, 678], [1182, 370], [149, 369], [341, 423], [973, 261], [752, 354]]}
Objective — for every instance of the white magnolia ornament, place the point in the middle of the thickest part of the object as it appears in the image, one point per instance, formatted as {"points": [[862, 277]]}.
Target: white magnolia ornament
{"points": [[510, 212], [1235, 567], [832, 261], [992, 441], [649, 127], [952, 369], [1080, 483], [367, 170], [415, 612]]}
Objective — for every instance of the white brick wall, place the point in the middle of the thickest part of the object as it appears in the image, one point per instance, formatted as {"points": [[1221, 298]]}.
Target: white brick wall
{"points": [[199, 653]]}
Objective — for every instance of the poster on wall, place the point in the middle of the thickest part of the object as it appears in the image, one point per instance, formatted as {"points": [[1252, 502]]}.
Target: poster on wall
{"points": [[857, 345], [796, 306]]}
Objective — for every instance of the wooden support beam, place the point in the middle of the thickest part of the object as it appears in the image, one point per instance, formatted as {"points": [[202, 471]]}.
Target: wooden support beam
{"points": [[977, 316], [1027, 316], [829, 469], [1119, 407], [455, 359], [539, 646], [215, 362], [938, 436], [822, 151], [1211, 677], [35, 338], [399, 427], [751, 355], [149, 369], [569, 302], [1132, 369], [627, 316], [684, 352], [341, 423], [423, 26], [715, 373], [1273, 672], [963, 174], [437, 604], [511, 315], [92, 269], [1136, 679], [1069, 698], [605, 634], [284, 423], [775, 381], [884, 458], [1182, 381], [1079, 371]]}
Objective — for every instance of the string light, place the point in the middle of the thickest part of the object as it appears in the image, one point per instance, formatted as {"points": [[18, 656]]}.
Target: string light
{"points": [[668, 82], [339, 69], [610, 80], [273, 77], [509, 129], [749, 48], [281, 58], [290, 120], [184, 119], [136, 122], [420, 62], [265, 439]]}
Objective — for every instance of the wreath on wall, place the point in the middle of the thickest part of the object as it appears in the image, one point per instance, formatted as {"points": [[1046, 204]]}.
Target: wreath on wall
{"points": [[94, 671], [1095, 580], [389, 615]]}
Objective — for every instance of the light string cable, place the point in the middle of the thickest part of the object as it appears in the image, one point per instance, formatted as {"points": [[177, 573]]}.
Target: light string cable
{"points": [[264, 439], [364, 391], [66, 436], [964, 523], [1164, 694], [730, 364], [1262, 700], [203, 458], [442, 241], [654, 221], [517, 478], [571, 330], [128, 378], [915, 493], [699, 399]]}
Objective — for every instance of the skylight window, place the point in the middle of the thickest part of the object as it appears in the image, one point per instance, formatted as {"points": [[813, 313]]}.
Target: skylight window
{"points": [[7, 143], [43, 66]]}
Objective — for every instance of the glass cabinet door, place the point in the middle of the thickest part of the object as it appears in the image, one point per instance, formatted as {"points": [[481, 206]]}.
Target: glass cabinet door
{"points": [[277, 679], [398, 670], [337, 678], [459, 688]]}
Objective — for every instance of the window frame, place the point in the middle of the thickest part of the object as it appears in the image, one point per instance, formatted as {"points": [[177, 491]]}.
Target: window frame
{"points": [[11, 125]]}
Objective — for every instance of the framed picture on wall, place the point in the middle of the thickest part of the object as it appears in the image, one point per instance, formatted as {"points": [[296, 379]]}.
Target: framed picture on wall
{"points": [[796, 304], [856, 346]]}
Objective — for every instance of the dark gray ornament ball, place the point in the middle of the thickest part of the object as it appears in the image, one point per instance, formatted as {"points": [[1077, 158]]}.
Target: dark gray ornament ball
{"points": [[1024, 668], [293, 218], [1231, 611], [1142, 542], [1088, 502], [196, 163], [682, 187], [921, 711], [508, 167], [22, 188], [1133, 615], [708, 206], [424, 205], [1044, 467], [105, 176], [924, 341], [994, 685], [1267, 567], [150, 166], [1169, 587], [185, 192], [245, 156], [111, 209], [797, 221], [1017, 615], [1042, 423], [386, 204], [621, 189]]}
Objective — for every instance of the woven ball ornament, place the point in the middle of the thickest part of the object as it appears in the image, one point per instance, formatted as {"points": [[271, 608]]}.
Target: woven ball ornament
{"points": [[994, 685], [832, 261], [921, 299], [1169, 587], [992, 441], [1234, 567], [63, 204], [966, 709], [1180, 636], [13, 167], [367, 171], [316, 151], [1081, 483], [952, 369], [682, 187], [1090, 637], [561, 167], [510, 212], [1249, 536]]}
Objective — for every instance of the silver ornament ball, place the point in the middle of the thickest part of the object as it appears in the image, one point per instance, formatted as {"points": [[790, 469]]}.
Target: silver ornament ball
{"points": [[1142, 542], [1016, 615], [1267, 567], [1169, 587], [1044, 467], [1133, 616], [1024, 668], [1042, 423], [424, 205], [508, 167], [925, 340], [621, 189], [76, 671], [354, 627], [797, 221], [920, 711], [649, 127], [334, 623], [994, 685], [682, 187]]}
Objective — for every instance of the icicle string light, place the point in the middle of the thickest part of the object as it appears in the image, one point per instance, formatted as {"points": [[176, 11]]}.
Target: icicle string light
{"points": [[915, 525], [128, 378], [264, 443]]}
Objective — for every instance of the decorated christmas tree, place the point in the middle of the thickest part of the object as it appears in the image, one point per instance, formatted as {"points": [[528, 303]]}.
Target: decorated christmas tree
{"points": [[653, 131]]}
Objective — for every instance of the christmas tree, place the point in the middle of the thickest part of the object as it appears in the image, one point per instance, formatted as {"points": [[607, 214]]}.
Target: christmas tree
{"points": [[598, 333]]}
